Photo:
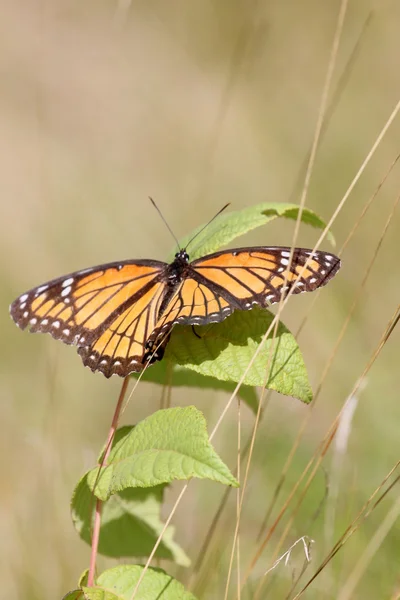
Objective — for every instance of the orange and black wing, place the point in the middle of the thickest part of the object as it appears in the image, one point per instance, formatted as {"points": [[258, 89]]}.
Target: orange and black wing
{"points": [[261, 275], [238, 279], [107, 311]]}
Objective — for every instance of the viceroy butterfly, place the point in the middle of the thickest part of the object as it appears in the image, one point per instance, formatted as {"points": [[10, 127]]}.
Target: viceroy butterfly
{"points": [[120, 315]]}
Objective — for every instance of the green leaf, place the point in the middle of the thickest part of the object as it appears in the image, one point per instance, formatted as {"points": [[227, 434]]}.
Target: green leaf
{"points": [[74, 595], [83, 579], [167, 373], [130, 523], [229, 225], [99, 594], [225, 349], [170, 444], [121, 581]]}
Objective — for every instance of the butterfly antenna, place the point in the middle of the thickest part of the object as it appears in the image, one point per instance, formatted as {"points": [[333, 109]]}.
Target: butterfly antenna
{"points": [[207, 224], [163, 218]]}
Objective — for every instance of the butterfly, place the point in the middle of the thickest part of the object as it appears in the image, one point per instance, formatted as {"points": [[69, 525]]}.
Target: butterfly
{"points": [[120, 315]]}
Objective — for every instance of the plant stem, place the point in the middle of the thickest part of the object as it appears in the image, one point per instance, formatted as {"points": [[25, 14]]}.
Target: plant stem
{"points": [[99, 503]]}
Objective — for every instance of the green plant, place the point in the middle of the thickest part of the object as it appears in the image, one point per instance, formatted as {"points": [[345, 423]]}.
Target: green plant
{"points": [[126, 488]]}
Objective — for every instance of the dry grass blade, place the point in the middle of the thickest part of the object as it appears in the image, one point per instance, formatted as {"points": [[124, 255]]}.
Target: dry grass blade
{"points": [[320, 120], [167, 522], [267, 333], [235, 69], [275, 322], [238, 499], [318, 457], [348, 589], [340, 337], [364, 513], [350, 235], [318, 391], [340, 87], [396, 593], [218, 514], [286, 555]]}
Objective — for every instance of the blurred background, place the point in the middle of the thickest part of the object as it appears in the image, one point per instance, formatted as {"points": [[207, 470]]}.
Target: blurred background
{"points": [[196, 104]]}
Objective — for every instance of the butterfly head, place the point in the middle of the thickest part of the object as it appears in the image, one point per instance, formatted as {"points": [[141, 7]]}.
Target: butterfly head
{"points": [[182, 256]]}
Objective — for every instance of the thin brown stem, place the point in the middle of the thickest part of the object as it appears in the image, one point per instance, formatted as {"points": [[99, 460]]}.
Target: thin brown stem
{"points": [[99, 503]]}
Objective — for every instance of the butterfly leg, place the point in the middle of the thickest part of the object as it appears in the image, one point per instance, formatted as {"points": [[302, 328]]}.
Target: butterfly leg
{"points": [[196, 334]]}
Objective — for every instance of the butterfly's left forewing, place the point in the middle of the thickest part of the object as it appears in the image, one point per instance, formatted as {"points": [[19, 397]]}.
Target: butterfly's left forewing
{"points": [[107, 311], [261, 275]]}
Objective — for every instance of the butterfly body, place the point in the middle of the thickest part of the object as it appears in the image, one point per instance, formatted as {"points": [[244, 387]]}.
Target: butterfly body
{"points": [[173, 275], [120, 315]]}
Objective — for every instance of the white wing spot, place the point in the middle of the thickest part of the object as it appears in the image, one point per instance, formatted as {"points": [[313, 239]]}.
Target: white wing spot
{"points": [[285, 253], [56, 324], [66, 331], [67, 282], [44, 322], [67, 300], [280, 269], [284, 261], [66, 291], [82, 339], [104, 361], [33, 321], [22, 306], [117, 363], [313, 279], [26, 313], [41, 289], [23, 298], [328, 257]]}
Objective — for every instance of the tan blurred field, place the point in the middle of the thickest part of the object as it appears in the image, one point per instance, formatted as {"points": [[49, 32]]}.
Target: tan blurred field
{"points": [[196, 104]]}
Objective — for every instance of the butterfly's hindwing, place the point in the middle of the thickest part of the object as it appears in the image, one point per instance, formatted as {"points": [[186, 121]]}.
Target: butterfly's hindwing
{"points": [[194, 303], [122, 347]]}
